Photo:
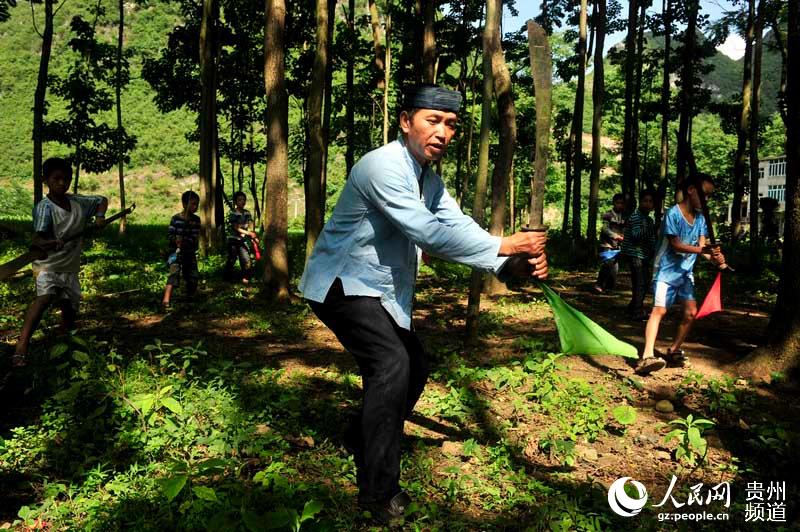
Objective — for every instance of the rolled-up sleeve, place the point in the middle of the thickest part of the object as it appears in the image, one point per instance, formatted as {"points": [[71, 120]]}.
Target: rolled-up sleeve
{"points": [[441, 233], [42, 218]]}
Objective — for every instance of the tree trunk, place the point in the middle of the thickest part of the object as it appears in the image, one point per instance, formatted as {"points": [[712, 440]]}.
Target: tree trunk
{"points": [[663, 174], [208, 128], [598, 88], [386, 76], [780, 42], [637, 98], [276, 229], [350, 127], [782, 352], [684, 155], [39, 100], [377, 42], [629, 141], [754, 120], [502, 171], [740, 162], [429, 52], [479, 204], [568, 185], [327, 109], [470, 135], [542, 73], [316, 154], [580, 93], [118, 90]]}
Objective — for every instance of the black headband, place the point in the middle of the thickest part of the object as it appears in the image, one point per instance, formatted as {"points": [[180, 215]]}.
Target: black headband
{"points": [[431, 97]]}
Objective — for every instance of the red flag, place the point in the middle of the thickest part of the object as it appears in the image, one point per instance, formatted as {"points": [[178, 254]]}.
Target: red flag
{"points": [[713, 301]]}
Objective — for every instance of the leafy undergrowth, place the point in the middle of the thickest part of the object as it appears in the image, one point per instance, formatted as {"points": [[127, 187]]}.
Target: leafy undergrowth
{"points": [[227, 415]]}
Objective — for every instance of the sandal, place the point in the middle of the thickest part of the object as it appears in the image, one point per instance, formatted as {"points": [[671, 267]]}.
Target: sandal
{"points": [[676, 359], [647, 365], [18, 360]]}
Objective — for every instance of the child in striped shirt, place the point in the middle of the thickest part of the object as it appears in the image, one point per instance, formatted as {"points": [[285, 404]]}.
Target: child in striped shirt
{"points": [[637, 248], [184, 237]]}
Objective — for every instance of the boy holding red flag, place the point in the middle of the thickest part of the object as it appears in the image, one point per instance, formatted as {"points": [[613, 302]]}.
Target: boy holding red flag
{"points": [[683, 237]]}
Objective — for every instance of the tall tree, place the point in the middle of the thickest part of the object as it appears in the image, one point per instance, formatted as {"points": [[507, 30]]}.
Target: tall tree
{"points": [[315, 212], [580, 93], [666, 15], [118, 82], [758, 47], [387, 70], [39, 106], [350, 127], [430, 59], [629, 140], [782, 352], [503, 168], [209, 235], [740, 161], [598, 88], [490, 29], [276, 226], [684, 157], [637, 92]]}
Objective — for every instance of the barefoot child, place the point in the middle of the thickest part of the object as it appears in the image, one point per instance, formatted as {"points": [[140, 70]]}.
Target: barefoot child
{"points": [[239, 220], [637, 248], [683, 237], [56, 218], [184, 236]]}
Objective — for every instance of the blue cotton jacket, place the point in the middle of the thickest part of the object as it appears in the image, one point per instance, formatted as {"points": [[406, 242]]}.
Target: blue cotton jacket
{"points": [[380, 225]]}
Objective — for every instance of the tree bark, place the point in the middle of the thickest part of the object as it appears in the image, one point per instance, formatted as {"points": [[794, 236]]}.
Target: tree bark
{"points": [[276, 229], [316, 154], [578, 121], [479, 204], [470, 135], [782, 352], [503, 168], [39, 100], [377, 41], [629, 144], [684, 155], [542, 73], [781, 44], [429, 52], [740, 161], [350, 128], [665, 110], [598, 88], [758, 46], [387, 70], [118, 92], [208, 127], [637, 98]]}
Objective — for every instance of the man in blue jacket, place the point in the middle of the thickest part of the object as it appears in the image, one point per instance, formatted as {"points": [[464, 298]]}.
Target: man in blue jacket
{"points": [[360, 278]]}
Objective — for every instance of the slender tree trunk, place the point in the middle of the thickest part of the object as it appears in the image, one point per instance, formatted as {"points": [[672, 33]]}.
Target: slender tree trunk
{"points": [[754, 120], [684, 155], [568, 185], [387, 76], [782, 353], [740, 162], [39, 100], [629, 144], [350, 127], [598, 88], [327, 109], [663, 174], [276, 229], [542, 73], [316, 155], [470, 135], [580, 93], [253, 184], [780, 42], [429, 52], [208, 128], [118, 92], [503, 168], [377, 42], [637, 98], [479, 204]]}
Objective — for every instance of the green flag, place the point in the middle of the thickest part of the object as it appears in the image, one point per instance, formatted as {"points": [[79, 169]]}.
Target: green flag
{"points": [[581, 336]]}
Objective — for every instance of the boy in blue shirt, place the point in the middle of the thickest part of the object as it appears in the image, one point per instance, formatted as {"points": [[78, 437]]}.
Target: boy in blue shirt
{"points": [[683, 237]]}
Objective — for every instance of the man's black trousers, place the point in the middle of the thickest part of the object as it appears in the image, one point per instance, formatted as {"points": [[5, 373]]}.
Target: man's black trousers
{"points": [[393, 372]]}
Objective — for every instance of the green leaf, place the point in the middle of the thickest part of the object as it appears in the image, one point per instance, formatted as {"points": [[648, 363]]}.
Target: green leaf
{"points": [[624, 414], [205, 493], [277, 519], [81, 357], [172, 486], [311, 508], [673, 435], [172, 404], [695, 439], [253, 521], [212, 465], [58, 350]]}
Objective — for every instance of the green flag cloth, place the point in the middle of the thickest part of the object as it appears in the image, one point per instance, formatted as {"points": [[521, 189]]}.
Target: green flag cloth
{"points": [[581, 336]]}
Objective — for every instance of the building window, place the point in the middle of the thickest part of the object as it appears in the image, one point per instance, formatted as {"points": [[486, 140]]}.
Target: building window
{"points": [[777, 192], [761, 173], [777, 167]]}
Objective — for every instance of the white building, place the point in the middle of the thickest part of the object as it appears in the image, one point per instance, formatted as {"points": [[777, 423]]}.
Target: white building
{"points": [[771, 184]]}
